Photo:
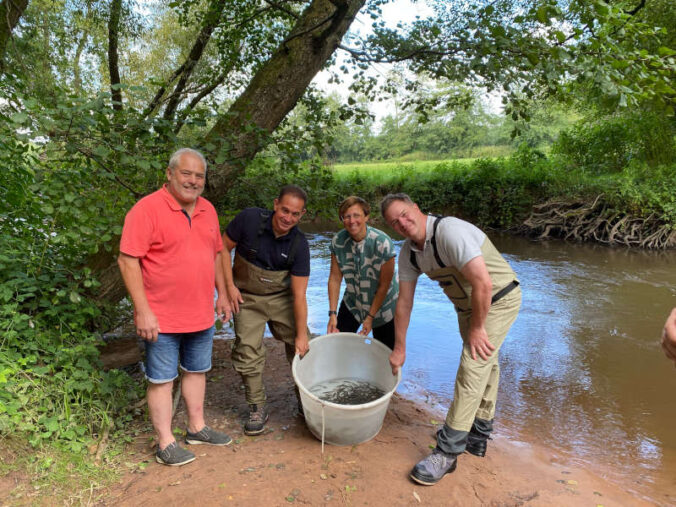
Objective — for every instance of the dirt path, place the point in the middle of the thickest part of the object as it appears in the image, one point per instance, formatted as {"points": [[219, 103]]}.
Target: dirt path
{"points": [[285, 465]]}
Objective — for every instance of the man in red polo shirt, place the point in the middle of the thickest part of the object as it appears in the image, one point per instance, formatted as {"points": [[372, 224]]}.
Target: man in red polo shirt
{"points": [[170, 259]]}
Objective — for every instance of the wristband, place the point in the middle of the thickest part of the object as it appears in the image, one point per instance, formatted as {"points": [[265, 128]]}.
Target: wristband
{"points": [[369, 315], [332, 312]]}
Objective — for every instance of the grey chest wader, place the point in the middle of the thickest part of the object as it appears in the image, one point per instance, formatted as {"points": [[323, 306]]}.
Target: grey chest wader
{"points": [[476, 384], [267, 299]]}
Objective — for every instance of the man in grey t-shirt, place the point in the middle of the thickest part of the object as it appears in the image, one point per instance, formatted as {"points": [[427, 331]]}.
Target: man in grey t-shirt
{"points": [[485, 292]]}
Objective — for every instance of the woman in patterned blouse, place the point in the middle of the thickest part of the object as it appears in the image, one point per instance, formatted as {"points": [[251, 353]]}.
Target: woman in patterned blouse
{"points": [[364, 257]]}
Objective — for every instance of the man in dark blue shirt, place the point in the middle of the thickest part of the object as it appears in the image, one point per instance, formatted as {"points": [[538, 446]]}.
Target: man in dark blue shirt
{"points": [[267, 284]]}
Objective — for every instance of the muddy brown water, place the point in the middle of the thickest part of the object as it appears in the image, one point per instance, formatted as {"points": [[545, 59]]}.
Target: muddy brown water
{"points": [[582, 370]]}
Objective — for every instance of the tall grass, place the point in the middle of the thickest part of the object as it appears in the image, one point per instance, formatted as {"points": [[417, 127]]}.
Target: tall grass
{"points": [[394, 166]]}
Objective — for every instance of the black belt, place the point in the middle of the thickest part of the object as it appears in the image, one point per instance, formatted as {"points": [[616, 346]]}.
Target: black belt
{"points": [[504, 291]]}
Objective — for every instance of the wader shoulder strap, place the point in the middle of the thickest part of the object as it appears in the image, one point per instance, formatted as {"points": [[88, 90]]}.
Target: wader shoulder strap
{"points": [[414, 260], [253, 251]]}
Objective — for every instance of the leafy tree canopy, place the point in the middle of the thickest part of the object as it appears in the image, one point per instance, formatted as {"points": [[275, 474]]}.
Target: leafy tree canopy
{"points": [[616, 54]]}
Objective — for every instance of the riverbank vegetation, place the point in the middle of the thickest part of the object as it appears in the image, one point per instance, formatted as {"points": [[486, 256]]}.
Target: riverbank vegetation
{"points": [[94, 96], [610, 180]]}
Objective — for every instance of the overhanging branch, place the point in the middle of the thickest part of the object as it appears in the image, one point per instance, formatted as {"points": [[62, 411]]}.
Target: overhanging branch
{"points": [[113, 65]]}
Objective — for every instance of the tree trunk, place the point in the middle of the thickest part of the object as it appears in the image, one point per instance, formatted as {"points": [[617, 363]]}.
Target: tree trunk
{"points": [[113, 65], [241, 133], [10, 13]]}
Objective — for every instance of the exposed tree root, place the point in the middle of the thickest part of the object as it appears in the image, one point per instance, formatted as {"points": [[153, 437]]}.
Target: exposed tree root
{"points": [[598, 222]]}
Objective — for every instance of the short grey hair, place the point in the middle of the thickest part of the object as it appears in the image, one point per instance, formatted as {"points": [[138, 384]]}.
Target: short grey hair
{"points": [[390, 198], [176, 157]]}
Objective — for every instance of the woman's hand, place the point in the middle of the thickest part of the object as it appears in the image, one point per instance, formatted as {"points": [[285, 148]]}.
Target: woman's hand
{"points": [[332, 326], [366, 326]]}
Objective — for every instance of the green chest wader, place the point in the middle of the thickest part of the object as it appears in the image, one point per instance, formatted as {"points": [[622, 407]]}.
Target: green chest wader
{"points": [[476, 383], [267, 299]]}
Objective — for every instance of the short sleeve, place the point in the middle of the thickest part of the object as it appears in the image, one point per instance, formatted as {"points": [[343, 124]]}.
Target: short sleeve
{"points": [[218, 240], [386, 247], [301, 263], [137, 232], [235, 227], [407, 272]]}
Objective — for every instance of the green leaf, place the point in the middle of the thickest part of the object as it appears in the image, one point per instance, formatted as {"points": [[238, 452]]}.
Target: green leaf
{"points": [[602, 8], [19, 117], [101, 151]]}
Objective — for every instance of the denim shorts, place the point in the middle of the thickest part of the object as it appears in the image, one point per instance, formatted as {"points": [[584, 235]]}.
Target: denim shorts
{"points": [[162, 356]]}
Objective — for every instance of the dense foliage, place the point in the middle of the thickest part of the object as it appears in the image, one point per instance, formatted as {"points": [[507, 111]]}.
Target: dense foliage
{"points": [[58, 214], [611, 143]]}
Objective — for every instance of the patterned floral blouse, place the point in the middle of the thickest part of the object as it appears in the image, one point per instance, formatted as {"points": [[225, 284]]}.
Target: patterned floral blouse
{"points": [[360, 262]]}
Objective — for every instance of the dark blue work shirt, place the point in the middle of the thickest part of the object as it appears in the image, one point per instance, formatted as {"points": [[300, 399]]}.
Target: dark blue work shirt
{"points": [[272, 252]]}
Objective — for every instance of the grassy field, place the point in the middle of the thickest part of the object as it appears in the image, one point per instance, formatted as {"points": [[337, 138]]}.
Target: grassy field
{"points": [[396, 165]]}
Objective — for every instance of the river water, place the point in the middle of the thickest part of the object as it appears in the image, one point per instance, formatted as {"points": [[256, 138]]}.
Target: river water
{"points": [[582, 370]]}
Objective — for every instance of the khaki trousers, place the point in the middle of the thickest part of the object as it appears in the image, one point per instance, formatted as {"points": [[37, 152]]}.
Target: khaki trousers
{"points": [[248, 354], [476, 383]]}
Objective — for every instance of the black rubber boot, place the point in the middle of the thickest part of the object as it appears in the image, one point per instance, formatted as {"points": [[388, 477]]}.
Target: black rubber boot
{"points": [[477, 440]]}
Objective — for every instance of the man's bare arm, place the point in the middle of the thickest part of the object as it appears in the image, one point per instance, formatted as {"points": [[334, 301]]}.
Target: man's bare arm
{"points": [[402, 317], [222, 301], [147, 326], [226, 262], [299, 291]]}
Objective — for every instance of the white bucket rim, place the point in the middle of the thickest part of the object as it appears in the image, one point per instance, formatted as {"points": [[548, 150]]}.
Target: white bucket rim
{"points": [[368, 341]]}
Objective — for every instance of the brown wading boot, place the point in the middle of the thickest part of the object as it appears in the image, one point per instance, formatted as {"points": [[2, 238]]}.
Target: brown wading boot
{"points": [[431, 470], [258, 416]]}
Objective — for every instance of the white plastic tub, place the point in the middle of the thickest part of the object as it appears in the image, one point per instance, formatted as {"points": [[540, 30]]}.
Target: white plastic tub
{"points": [[341, 356]]}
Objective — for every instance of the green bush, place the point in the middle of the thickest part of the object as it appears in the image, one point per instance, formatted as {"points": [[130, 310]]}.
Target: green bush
{"points": [[64, 206], [263, 179], [611, 143]]}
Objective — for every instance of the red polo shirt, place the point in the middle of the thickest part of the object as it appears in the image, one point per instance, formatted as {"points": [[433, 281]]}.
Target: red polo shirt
{"points": [[177, 257]]}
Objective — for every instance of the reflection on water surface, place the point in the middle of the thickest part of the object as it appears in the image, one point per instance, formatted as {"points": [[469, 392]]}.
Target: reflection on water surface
{"points": [[582, 371]]}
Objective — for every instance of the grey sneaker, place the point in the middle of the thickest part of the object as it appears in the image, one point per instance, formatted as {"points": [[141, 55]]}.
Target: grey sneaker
{"points": [[258, 416], [430, 470], [174, 456], [207, 436]]}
